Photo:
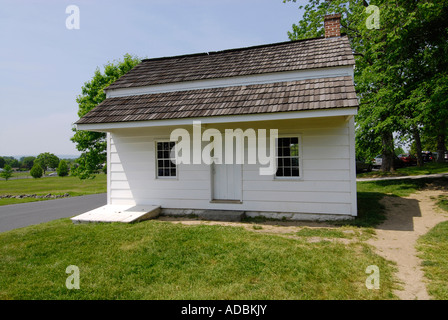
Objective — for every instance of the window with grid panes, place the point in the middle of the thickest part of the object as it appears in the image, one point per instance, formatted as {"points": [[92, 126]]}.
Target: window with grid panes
{"points": [[287, 157], [166, 166]]}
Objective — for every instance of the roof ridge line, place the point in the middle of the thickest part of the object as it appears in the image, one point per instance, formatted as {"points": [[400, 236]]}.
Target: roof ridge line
{"points": [[240, 49]]}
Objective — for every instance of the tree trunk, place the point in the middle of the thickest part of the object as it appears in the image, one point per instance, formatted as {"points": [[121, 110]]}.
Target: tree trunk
{"points": [[441, 148], [418, 146], [388, 151]]}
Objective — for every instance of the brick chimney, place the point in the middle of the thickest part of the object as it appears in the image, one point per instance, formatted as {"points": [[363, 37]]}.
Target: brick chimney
{"points": [[332, 25]]}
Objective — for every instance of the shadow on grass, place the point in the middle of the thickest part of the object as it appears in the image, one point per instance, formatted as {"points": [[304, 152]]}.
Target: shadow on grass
{"points": [[371, 212], [393, 213], [401, 211]]}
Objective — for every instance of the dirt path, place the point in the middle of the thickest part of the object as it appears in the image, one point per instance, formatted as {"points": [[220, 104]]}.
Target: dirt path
{"points": [[407, 219]]}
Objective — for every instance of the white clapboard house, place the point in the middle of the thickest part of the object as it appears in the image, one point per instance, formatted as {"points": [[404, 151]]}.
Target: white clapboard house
{"points": [[303, 89]]}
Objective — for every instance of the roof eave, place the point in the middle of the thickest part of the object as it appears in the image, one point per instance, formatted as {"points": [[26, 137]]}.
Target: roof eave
{"points": [[271, 116]]}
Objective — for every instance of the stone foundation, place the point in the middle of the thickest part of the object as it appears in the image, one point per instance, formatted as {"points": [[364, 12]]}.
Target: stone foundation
{"points": [[269, 215]]}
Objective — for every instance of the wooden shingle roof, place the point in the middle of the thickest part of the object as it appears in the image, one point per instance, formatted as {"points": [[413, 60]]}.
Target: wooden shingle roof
{"points": [[277, 57], [325, 93], [310, 94]]}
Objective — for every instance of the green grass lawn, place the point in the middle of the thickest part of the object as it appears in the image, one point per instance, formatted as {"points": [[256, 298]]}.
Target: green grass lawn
{"points": [[54, 185], [162, 260], [442, 202], [433, 248], [428, 168]]}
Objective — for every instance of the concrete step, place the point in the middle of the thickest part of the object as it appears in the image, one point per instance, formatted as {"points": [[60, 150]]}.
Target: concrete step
{"points": [[125, 214], [222, 215]]}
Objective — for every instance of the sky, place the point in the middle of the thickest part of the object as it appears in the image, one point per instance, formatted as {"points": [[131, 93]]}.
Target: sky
{"points": [[44, 64]]}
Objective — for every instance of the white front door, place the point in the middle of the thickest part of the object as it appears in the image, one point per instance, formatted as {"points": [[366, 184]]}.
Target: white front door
{"points": [[227, 179], [227, 184]]}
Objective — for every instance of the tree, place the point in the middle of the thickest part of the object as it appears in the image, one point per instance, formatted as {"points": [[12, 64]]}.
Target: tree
{"points": [[47, 160], [424, 52], [13, 162], [27, 162], [36, 171], [93, 145], [399, 150], [400, 74], [371, 78], [62, 168], [2, 162], [7, 172]]}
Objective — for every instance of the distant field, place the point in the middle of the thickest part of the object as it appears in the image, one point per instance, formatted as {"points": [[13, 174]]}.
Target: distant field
{"points": [[20, 174], [51, 185]]}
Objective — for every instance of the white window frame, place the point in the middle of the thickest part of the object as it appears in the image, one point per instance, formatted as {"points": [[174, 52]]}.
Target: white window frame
{"points": [[299, 139], [157, 161]]}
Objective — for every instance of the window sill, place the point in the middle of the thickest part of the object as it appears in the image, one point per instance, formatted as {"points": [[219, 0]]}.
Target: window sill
{"points": [[288, 178]]}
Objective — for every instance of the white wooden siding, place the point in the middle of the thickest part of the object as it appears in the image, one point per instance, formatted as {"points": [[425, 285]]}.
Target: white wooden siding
{"points": [[327, 184]]}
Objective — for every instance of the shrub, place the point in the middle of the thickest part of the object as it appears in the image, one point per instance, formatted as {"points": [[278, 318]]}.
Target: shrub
{"points": [[36, 171], [7, 172], [62, 169]]}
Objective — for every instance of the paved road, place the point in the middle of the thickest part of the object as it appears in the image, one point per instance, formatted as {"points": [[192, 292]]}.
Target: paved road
{"points": [[25, 214]]}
